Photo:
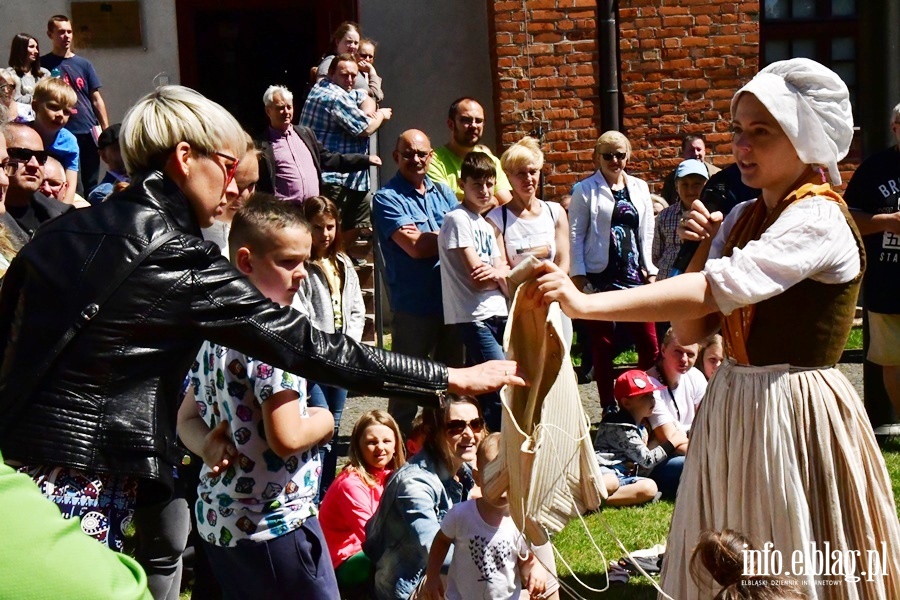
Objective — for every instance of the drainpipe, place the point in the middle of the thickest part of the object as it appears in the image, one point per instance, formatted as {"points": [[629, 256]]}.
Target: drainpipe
{"points": [[608, 47]]}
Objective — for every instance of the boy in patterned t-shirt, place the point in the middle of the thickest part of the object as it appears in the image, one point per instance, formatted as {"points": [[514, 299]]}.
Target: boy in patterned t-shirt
{"points": [[255, 510]]}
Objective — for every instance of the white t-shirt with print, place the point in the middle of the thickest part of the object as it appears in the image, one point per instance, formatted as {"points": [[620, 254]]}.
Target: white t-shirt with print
{"points": [[485, 559], [680, 405], [260, 496], [463, 303]]}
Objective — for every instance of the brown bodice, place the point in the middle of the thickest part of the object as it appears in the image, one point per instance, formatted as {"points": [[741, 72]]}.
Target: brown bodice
{"points": [[808, 324]]}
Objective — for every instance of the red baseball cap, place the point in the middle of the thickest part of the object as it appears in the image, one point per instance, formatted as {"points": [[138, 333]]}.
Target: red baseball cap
{"points": [[634, 383]]}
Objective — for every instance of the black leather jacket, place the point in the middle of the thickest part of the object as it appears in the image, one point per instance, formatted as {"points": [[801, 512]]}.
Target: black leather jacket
{"points": [[108, 403]]}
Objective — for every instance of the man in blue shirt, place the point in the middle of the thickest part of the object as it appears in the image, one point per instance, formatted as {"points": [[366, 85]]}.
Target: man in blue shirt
{"points": [[407, 213], [89, 115]]}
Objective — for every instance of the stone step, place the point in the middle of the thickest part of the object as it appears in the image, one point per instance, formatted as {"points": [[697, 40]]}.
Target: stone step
{"points": [[368, 295], [366, 274], [368, 336]]}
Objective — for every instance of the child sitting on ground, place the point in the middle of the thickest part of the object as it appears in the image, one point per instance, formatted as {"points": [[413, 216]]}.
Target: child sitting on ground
{"points": [[473, 273], [53, 102], [491, 559], [255, 510], [621, 441]]}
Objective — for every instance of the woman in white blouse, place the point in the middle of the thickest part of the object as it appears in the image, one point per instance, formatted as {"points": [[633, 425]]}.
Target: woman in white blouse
{"points": [[611, 233], [781, 448]]}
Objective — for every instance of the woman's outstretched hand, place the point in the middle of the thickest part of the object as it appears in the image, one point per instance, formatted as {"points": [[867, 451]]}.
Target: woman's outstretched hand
{"points": [[487, 377], [554, 285], [699, 224]]}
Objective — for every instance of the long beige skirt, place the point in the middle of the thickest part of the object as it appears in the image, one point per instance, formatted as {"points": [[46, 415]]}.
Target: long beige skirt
{"points": [[787, 456]]}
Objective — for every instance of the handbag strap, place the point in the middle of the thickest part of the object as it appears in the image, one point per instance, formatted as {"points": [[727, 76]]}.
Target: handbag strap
{"points": [[87, 314]]}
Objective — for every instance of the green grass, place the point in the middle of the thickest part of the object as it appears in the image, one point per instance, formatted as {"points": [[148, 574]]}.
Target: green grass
{"points": [[640, 527], [855, 341]]}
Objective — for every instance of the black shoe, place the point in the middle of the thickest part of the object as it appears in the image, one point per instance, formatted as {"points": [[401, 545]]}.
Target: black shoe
{"points": [[358, 262]]}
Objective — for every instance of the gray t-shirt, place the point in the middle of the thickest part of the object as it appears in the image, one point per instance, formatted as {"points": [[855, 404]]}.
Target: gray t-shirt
{"points": [[463, 302]]}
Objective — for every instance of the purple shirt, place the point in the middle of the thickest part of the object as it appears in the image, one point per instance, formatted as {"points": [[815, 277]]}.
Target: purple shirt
{"points": [[296, 177]]}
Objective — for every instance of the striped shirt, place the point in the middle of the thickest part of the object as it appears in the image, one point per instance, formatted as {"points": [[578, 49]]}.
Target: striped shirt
{"points": [[337, 120]]}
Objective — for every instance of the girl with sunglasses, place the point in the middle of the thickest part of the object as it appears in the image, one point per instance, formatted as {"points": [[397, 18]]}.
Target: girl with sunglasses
{"points": [[611, 227], [420, 493]]}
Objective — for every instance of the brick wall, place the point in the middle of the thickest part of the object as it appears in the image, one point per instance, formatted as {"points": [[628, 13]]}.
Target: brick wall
{"points": [[680, 63]]}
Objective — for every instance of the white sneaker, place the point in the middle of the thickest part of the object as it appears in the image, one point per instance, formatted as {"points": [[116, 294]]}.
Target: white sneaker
{"points": [[888, 430]]}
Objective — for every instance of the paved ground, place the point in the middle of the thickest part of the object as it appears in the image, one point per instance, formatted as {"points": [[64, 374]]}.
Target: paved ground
{"points": [[356, 406]]}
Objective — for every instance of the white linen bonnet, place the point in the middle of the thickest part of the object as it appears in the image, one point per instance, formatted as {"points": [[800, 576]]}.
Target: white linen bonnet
{"points": [[812, 105]]}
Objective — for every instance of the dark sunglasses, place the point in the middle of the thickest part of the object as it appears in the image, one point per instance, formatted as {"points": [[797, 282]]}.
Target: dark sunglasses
{"points": [[23, 155], [612, 155], [369, 56], [457, 426]]}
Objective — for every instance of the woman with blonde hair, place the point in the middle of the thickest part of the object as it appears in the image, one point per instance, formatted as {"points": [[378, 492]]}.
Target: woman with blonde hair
{"points": [[115, 320], [527, 225], [611, 229], [781, 448]]}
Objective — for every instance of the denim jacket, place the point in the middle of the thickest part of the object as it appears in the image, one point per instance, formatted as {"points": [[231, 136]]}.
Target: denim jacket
{"points": [[399, 534]]}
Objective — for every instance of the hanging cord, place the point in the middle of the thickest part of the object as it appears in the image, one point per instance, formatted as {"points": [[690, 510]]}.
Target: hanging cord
{"points": [[548, 439]]}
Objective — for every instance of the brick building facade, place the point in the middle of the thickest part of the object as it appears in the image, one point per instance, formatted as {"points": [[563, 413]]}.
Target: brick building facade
{"points": [[679, 65]]}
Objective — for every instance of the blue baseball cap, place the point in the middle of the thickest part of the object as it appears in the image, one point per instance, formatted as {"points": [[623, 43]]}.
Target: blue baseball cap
{"points": [[691, 166]]}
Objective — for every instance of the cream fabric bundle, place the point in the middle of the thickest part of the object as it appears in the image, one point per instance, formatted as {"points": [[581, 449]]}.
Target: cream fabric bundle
{"points": [[812, 105], [546, 456]]}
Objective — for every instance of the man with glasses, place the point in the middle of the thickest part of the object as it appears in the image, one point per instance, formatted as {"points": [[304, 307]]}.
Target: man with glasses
{"points": [[873, 196], [408, 212], [291, 159], [466, 123], [24, 202]]}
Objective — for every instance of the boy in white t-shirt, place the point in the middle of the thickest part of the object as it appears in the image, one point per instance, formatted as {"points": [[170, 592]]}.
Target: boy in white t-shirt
{"points": [[683, 388], [473, 273], [491, 558]]}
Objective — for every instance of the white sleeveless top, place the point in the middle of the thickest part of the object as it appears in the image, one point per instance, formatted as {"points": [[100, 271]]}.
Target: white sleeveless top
{"points": [[524, 237]]}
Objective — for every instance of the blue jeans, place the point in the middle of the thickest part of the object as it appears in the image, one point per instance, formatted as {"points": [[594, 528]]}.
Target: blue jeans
{"points": [[294, 565], [332, 398], [484, 341], [667, 475]]}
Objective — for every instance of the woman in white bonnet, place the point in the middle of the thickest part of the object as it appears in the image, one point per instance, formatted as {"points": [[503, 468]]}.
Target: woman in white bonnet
{"points": [[781, 449]]}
